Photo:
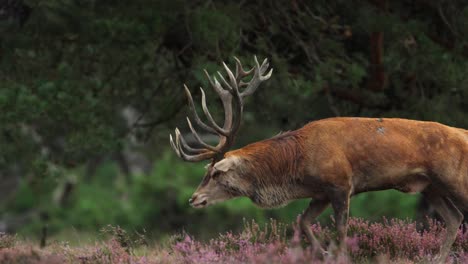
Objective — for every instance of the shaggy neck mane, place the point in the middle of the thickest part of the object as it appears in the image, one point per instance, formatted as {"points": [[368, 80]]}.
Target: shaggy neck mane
{"points": [[275, 161]]}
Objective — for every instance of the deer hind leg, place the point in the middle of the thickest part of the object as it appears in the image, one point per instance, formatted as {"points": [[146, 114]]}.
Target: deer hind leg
{"points": [[340, 204], [452, 217], [315, 208]]}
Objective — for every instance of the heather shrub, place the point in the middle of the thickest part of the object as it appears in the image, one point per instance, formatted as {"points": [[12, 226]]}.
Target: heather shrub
{"points": [[255, 244], [395, 238], [389, 241], [30, 255], [6, 240], [110, 252], [126, 240], [271, 231], [461, 242]]}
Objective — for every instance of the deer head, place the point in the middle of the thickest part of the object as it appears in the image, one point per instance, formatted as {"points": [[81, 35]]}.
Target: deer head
{"points": [[223, 179]]}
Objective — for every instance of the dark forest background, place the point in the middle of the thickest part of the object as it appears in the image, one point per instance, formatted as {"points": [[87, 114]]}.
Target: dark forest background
{"points": [[90, 90]]}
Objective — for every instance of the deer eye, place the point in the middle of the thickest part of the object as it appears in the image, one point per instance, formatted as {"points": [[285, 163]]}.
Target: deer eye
{"points": [[216, 174]]}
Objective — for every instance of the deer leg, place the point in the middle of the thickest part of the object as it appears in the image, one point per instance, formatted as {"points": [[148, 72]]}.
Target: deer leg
{"points": [[315, 208], [340, 204], [452, 217]]}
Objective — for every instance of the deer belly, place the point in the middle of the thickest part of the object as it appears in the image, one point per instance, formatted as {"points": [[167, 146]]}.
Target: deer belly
{"points": [[413, 186], [407, 181]]}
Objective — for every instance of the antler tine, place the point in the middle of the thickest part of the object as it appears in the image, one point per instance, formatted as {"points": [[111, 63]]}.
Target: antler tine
{"points": [[194, 112], [188, 148], [174, 147], [198, 138], [209, 117], [216, 85], [258, 77], [263, 68], [192, 158], [180, 140], [232, 79], [240, 72], [198, 157], [228, 86]]}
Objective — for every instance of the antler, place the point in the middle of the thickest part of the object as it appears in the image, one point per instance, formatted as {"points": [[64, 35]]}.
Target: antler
{"points": [[232, 99]]}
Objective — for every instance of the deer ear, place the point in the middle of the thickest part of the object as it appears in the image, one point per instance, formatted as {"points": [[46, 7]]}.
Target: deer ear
{"points": [[226, 164]]}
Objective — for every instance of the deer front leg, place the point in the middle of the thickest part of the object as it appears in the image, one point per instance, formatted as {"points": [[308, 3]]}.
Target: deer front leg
{"points": [[340, 204], [315, 208]]}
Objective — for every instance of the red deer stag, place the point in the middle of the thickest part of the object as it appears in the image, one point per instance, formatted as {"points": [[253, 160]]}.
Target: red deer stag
{"points": [[327, 160]]}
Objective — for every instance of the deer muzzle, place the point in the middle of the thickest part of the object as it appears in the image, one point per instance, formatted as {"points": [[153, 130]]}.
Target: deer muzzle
{"points": [[198, 201]]}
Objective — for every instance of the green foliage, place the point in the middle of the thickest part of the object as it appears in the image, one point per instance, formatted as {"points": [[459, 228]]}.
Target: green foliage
{"points": [[374, 205], [215, 31]]}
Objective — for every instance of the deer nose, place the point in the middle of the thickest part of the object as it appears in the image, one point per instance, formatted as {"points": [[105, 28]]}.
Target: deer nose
{"points": [[192, 199]]}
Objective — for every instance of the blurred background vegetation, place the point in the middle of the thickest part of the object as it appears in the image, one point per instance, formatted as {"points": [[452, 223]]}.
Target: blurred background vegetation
{"points": [[90, 90]]}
